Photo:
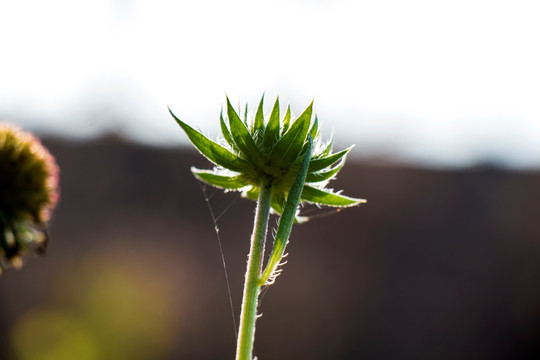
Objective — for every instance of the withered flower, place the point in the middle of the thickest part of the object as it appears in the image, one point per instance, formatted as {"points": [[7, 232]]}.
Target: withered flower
{"points": [[28, 195]]}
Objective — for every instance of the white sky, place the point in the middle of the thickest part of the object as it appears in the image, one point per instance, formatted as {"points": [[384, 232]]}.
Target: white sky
{"points": [[444, 83]]}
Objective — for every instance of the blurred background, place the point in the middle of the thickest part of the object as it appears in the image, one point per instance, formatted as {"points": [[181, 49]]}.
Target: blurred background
{"points": [[440, 98]]}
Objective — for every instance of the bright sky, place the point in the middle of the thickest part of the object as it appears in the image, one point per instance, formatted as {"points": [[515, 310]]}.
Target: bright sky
{"points": [[444, 83]]}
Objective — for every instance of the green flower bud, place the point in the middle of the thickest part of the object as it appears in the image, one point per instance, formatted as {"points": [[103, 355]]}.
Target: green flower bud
{"points": [[28, 195], [272, 149]]}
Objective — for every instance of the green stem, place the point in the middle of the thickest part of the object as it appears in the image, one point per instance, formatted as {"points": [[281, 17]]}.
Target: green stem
{"points": [[287, 219], [248, 315]]}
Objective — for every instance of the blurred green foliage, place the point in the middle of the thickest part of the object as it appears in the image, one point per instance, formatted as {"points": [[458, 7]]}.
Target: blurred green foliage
{"points": [[102, 312]]}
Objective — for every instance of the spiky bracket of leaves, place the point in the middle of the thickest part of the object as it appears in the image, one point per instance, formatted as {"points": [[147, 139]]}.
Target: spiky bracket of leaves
{"points": [[272, 149]]}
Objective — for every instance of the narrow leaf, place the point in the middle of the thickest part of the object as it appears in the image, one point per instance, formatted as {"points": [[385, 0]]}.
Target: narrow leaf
{"points": [[321, 163], [211, 150], [220, 181], [241, 135], [314, 132], [324, 175], [322, 197], [259, 118], [226, 133], [287, 218], [290, 145], [328, 148], [286, 120], [271, 133]]}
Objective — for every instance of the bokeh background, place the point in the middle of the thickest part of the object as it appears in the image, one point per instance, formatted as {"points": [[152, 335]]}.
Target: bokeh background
{"points": [[441, 100]]}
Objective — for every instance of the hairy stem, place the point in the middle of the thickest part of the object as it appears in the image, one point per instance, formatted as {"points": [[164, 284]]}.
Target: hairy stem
{"points": [[287, 219], [248, 315]]}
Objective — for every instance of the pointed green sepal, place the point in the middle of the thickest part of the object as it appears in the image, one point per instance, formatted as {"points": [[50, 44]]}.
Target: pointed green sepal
{"points": [[246, 114], [287, 149], [241, 136], [258, 125], [324, 175], [286, 120], [226, 133], [232, 182], [211, 150], [321, 197], [321, 163], [314, 132], [328, 147], [271, 133]]}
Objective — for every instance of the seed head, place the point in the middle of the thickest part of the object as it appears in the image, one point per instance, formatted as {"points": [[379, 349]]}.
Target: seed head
{"points": [[28, 194]]}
